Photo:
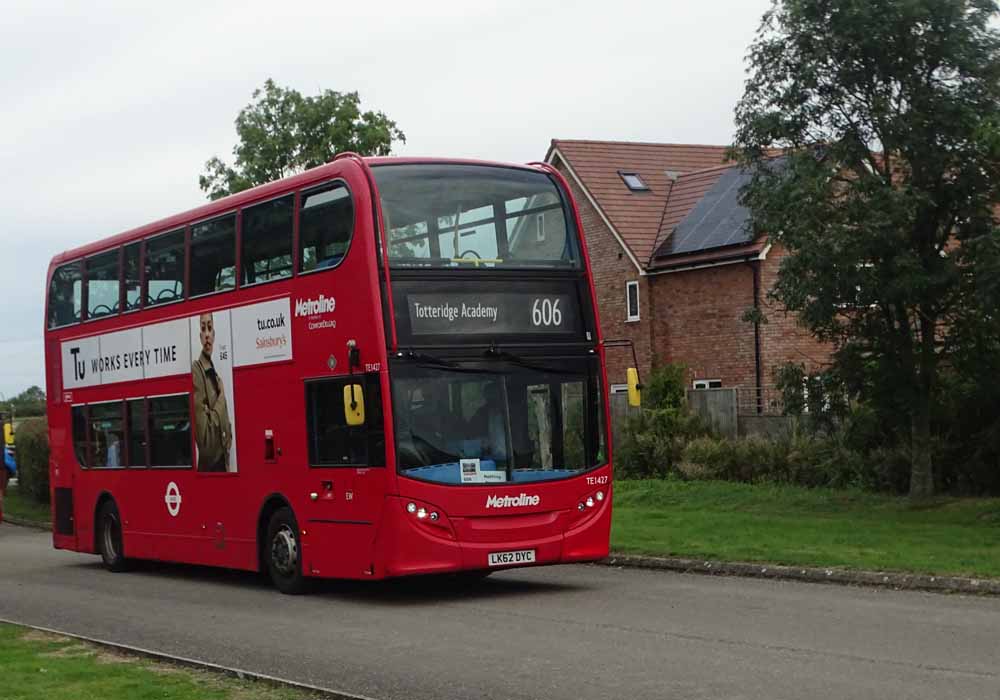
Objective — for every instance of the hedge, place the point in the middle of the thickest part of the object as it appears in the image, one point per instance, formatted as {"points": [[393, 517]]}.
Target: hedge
{"points": [[33, 459]]}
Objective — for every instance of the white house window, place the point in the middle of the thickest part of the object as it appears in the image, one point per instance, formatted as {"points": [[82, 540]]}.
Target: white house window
{"points": [[862, 269], [632, 300], [707, 383], [634, 182]]}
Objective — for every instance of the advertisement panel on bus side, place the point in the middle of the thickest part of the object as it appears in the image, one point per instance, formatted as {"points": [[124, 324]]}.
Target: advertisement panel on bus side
{"points": [[207, 345]]}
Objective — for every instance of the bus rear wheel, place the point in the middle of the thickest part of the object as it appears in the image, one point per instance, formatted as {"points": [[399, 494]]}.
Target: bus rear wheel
{"points": [[284, 552], [109, 538]]}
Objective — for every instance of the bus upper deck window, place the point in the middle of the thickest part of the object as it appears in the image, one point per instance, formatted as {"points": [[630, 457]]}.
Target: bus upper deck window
{"points": [[102, 284], [165, 268], [65, 295], [475, 217], [267, 241], [132, 277], [326, 222], [213, 255]]}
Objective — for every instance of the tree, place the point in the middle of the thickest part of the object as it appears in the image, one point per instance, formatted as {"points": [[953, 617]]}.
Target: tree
{"points": [[30, 402], [887, 112], [282, 133]]}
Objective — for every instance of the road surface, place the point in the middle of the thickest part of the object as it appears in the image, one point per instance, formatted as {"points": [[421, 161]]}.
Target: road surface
{"points": [[573, 633]]}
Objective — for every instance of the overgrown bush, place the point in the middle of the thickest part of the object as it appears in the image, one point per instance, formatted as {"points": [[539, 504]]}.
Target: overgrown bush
{"points": [[33, 459], [666, 387], [654, 440], [836, 440], [800, 457], [749, 460], [965, 419]]}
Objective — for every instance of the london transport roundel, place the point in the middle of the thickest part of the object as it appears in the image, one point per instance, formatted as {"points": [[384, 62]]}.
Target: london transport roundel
{"points": [[173, 499]]}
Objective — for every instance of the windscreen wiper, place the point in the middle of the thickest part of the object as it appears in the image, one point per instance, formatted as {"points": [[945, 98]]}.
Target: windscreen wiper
{"points": [[495, 353], [425, 359]]}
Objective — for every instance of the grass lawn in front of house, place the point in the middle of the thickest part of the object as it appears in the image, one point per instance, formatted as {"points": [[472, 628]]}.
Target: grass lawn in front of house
{"points": [[807, 527]]}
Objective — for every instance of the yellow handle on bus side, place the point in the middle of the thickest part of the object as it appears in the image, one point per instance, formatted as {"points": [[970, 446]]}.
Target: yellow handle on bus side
{"points": [[354, 404]]}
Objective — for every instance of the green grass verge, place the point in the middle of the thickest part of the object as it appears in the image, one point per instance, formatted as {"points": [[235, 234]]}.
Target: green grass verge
{"points": [[37, 665], [808, 527], [18, 505]]}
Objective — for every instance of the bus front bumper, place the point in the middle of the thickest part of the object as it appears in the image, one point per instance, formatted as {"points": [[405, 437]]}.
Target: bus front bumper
{"points": [[410, 545]]}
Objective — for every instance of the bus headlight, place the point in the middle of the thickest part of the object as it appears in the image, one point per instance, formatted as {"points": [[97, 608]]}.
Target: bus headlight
{"points": [[428, 517], [590, 505]]}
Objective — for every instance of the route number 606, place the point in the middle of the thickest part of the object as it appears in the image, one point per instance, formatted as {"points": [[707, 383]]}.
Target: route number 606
{"points": [[546, 312]]}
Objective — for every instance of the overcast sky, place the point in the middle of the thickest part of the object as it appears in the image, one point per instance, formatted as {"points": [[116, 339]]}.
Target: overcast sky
{"points": [[110, 110]]}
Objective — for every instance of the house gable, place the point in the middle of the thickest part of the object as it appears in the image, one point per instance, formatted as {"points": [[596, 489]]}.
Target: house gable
{"points": [[556, 160], [634, 217]]}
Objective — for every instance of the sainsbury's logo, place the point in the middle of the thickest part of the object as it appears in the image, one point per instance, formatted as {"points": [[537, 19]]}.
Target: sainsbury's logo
{"points": [[313, 307], [522, 501]]}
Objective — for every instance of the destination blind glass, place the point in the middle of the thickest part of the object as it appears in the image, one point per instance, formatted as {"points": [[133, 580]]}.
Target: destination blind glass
{"points": [[426, 312], [438, 314]]}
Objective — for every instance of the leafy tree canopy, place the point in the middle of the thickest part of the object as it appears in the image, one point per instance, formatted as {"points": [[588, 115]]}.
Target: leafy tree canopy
{"points": [[281, 132], [30, 402], [888, 112]]}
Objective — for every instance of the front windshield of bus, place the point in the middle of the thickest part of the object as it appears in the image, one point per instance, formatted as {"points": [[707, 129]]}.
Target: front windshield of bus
{"points": [[499, 422], [474, 216]]}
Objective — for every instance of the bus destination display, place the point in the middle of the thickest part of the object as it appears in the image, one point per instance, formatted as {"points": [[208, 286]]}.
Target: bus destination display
{"points": [[502, 313]]}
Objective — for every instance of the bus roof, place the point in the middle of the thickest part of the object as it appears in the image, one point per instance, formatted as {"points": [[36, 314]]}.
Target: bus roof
{"points": [[235, 201]]}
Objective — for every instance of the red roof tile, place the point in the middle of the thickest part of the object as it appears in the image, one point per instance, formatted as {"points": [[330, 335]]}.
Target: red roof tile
{"points": [[637, 216]]}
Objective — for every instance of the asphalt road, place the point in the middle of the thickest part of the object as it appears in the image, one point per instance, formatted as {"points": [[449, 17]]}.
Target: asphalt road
{"points": [[574, 632]]}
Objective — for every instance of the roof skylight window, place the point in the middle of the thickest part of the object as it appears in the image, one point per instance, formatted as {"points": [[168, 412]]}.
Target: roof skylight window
{"points": [[634, 182]]}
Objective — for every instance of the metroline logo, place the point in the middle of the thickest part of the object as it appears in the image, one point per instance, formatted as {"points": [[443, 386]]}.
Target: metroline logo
{"points": [[312, 307], [522, 501]]}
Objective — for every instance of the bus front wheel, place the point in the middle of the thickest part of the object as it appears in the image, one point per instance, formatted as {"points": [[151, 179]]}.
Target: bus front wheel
{"points": [[109, 537], [284, 552]]}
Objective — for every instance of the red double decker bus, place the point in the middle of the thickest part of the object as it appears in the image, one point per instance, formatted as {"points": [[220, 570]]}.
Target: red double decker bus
{"points": [[375, 368]]}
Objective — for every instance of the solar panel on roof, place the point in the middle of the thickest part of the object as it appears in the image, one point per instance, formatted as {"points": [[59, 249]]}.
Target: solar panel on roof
{"points": [[717, 220]]}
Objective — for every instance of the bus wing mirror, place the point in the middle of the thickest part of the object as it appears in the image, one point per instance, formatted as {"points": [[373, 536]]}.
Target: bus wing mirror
{"points": [[354, 404], [634, 387]]}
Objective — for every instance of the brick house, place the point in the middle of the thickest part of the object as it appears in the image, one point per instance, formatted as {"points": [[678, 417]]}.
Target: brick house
{"points": [[677, 265]]}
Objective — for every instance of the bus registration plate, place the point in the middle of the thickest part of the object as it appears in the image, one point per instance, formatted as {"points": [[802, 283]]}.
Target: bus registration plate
{"points": [[523, 556]]}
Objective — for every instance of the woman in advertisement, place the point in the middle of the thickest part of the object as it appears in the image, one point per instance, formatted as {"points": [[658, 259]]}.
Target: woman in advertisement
{"points": [[213, 430]]}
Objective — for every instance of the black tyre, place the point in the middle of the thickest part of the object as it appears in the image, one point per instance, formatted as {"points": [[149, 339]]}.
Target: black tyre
{"points": [[110, 543], [283, 552]]}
